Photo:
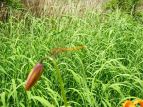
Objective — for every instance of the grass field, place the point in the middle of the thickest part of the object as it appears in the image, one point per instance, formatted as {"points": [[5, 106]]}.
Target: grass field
{"points": [[104, 74]]}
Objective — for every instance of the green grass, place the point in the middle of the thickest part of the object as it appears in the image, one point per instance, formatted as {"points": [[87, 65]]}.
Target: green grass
{"points": [[105, 74]]}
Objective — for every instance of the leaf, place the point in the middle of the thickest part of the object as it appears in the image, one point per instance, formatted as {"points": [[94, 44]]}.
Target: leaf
{"points": [[3, 99], [43, 101]]}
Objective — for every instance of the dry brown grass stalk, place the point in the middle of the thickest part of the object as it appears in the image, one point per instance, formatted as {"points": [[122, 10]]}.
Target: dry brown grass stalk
{"points": [[3, 11], [60, 7]]}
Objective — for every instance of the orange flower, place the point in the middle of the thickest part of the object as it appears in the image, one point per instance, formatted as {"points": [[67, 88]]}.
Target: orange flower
{"points": [[33, 76], [139, 101], [128, 103]]}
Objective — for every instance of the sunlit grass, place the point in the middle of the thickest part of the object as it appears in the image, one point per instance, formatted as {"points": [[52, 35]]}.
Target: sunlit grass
{"points": [[105, 74]]}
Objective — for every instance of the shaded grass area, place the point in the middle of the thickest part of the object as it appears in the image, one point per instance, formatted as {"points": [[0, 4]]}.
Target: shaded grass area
{"points": [[105, 74]]}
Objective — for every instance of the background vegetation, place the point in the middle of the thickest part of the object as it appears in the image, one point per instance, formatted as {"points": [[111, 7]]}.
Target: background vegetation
{"points": [[105, 74], [129, 6]]}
